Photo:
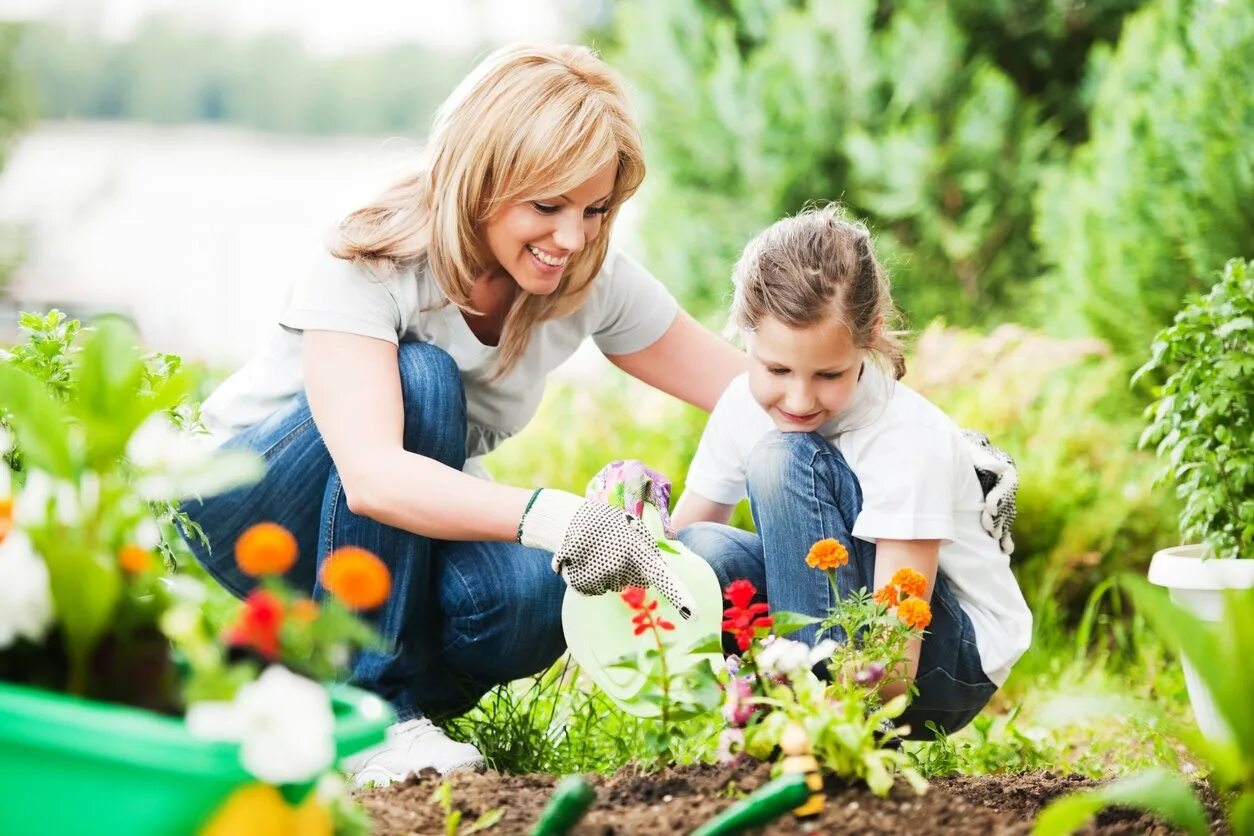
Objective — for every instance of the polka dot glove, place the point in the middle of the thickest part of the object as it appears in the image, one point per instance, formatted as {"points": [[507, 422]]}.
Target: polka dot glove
{"points": [[1000, 482], [599, 549]]}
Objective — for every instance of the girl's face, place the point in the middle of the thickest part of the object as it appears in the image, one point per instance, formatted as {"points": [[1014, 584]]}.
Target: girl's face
{"points": [[802, 376], [533, 241]]}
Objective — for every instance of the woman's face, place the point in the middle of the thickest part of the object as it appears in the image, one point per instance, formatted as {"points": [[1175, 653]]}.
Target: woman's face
{"points": [[802, 377], [534, 241]]}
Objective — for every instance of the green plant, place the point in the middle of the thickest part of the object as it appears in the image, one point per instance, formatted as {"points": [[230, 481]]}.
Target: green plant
{"points": [[1221, 653], [1163, 193], [443, 798], [1204, 410], [989, 746]]}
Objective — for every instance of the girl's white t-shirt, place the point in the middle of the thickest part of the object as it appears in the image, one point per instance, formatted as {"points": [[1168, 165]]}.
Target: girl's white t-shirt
{"points": [[918, 483], [626, 311]]}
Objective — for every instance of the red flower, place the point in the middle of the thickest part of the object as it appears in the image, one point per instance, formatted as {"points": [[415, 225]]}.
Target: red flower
{"points": [[743, 618], [258, 624], [644, 619]]}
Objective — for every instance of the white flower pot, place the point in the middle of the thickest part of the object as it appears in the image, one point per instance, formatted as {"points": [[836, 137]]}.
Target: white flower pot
{"points": [[1198, 585]]}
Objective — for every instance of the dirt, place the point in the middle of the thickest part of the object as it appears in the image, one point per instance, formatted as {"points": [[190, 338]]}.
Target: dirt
{"points": [[677, 800]]}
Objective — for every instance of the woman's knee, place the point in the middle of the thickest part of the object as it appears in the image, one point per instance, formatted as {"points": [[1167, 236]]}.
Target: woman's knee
{"points": [[435, 403]]}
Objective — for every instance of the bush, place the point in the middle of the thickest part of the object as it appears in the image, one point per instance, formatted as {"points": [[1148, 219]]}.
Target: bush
{"points": [[1202, 418], [1164, 192], [752, 110]]}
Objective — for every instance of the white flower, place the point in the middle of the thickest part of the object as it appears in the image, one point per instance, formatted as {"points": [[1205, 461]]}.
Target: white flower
{"points": [[785, 656], [282, 721], [176, 464], [25, 600]]}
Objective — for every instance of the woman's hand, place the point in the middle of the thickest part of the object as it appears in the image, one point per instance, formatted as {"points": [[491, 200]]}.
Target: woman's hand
{"points": [[598, 548]]}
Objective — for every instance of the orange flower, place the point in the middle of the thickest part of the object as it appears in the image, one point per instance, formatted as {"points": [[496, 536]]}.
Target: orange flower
{"points": [[6, 517], [304, 610], [886, 595], [826, 555], [358, 578], [265, 549], [909, 582], [134, 559], [915, 613]]}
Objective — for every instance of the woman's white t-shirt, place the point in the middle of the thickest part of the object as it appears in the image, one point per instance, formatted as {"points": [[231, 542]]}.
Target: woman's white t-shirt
{"points": [[918, 483], [626, 311]]}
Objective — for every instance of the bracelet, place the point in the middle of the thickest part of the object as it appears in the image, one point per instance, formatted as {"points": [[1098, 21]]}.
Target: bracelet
{"points": [[530, 502]]}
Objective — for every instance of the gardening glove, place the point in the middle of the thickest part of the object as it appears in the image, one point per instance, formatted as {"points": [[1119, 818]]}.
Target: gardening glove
{"points": [[629, 484], [598, 548], [1000, 482]]}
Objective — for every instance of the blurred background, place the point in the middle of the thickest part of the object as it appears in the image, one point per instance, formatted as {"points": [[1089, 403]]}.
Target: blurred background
{"points": [[1047, 179]]}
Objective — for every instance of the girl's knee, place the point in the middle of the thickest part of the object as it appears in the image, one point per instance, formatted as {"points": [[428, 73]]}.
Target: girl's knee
{"points": [[434, 401], [732, 554]]}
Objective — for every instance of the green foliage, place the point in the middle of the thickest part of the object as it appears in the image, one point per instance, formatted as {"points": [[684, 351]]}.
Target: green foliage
{"points": [[1202, 418], [989, 746], [443, 798], [15, 103], [167, 73], [1163, 194], [754, 109], [1220, 653]]}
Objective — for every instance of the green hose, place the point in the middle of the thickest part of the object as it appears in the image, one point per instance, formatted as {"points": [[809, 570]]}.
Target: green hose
{"points": [[765, 804], [571, 798]]}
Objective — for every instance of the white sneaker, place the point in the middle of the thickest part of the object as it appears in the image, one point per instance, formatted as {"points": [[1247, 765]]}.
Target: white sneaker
{"points": [[411, 746]]}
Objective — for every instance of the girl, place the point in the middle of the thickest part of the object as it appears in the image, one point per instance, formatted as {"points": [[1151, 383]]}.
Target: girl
{"points": [[423, 342], [827, 443]]}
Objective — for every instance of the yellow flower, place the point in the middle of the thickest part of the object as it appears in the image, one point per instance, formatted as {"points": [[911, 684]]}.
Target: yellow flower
{"points": [[915, 613], [265, 549], [909, 582], [827, 555], [358, 578]]}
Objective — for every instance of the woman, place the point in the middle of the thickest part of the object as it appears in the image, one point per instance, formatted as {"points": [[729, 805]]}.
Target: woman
{"points": [[421, 344]]}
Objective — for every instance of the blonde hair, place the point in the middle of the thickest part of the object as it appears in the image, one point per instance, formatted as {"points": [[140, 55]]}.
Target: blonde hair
{"points": [[818, 266], [529, 122]]}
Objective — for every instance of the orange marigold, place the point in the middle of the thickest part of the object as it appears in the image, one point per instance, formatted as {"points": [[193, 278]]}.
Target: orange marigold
{"points": [[827, 554], [6, 517], [304, 610], [134, 559], [915, 613], [265, 549], [909, 581], [886, 595], [358, 578]]}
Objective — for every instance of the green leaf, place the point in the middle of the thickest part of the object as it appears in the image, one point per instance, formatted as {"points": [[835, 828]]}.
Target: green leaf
{"points": [[488, 819], [40, 423], [665, 546], [709, 643], [1157, 791], [785, 623]]}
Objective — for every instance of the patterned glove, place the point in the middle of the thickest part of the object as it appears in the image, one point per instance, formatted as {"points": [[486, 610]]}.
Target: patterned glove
{"points": [[1000, 482], [599, 549], [629, 484]]}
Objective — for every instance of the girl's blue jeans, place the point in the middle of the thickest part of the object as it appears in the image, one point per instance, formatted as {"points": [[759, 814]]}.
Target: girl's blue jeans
{"points": [[462, 616], [801, 491]]}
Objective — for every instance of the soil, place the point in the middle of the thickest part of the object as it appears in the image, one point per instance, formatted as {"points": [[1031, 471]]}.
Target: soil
{"points": [[677, 800]]}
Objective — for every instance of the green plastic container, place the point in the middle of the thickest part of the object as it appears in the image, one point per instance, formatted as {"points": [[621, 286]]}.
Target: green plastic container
{"points": [[74, 766]]}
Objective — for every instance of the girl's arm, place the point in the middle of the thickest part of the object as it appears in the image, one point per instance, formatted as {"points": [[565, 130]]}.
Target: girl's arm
{"points": [[354, 391], [924, 557], [688, 361], [693, 507]]}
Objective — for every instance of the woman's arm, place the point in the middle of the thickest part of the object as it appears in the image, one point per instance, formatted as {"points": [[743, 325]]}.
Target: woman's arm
{"points": [[688, 361], [693, 507], [924, 557], [354, 391]]}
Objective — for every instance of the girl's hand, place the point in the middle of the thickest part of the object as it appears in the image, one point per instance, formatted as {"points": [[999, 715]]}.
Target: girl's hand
{"points": [[598, 548], [1000, 482]]}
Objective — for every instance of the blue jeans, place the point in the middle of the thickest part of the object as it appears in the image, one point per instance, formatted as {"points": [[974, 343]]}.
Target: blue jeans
{"points": [[462, 616], [801, 491]]}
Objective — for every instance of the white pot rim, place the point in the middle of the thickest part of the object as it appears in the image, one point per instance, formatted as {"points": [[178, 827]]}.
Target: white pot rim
{"points": [[1182, 567]]}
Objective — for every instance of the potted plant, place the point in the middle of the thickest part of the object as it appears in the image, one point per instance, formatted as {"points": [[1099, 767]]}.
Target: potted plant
{"points": [[134, 696], [1201, 423]]}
